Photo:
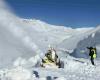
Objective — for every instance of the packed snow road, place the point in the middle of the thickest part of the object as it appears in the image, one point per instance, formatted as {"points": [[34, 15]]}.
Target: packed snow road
{"points": [[80, 70]]}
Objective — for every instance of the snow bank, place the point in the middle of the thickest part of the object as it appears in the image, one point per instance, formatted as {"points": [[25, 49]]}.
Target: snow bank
{"points": [[93, 39]]}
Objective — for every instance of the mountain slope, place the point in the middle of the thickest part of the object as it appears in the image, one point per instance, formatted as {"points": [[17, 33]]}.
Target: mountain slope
{"points": [[72, 42], [26, 38]]}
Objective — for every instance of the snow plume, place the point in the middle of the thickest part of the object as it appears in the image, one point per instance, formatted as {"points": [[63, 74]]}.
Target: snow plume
{"points": [[12, 23], [14, 40]]}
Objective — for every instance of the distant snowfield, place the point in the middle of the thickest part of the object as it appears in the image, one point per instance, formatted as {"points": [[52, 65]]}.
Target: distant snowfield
{"points": [[23, 42]]}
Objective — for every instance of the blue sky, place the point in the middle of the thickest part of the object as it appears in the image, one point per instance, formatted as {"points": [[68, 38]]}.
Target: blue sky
{"points": [[74, 13]]}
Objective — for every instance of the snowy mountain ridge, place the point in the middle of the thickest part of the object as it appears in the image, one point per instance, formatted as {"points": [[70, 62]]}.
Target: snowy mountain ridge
{"points": [[46, 26]]}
